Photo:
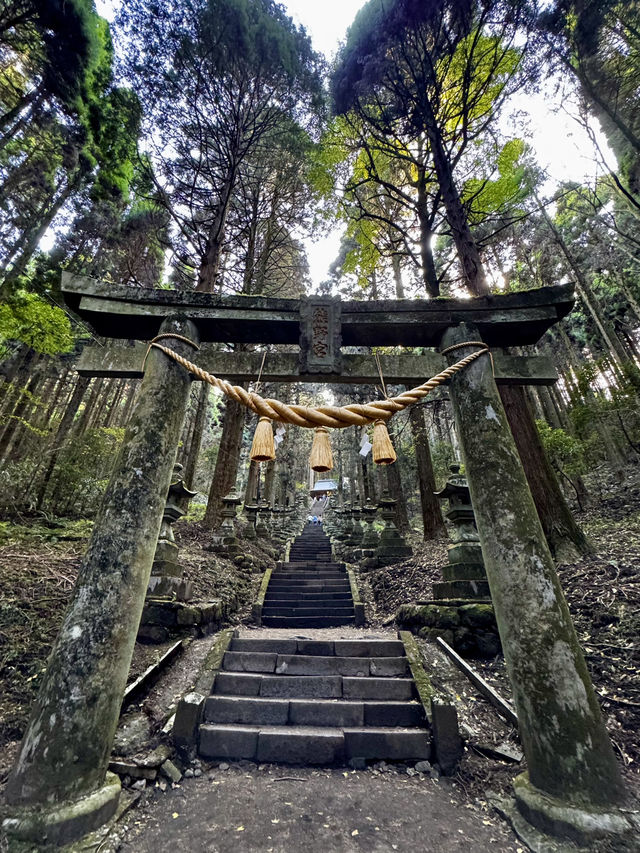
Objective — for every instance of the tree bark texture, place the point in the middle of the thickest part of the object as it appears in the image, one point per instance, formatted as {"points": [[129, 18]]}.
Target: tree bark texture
{"points": [[195, 441], [564, 537], [63, 431], [226, 468], [432, 521]]}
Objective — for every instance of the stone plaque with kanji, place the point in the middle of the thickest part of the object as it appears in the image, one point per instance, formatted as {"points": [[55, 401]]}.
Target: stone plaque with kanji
{"points": [[320, 337]]}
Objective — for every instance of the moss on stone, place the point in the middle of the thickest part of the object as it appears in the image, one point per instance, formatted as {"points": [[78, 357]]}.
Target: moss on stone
{"points": [[427, 615], [213, 661], [421, 680], [478, 616]]}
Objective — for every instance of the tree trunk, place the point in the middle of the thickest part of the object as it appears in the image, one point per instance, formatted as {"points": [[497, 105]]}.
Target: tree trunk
{"points": [[115, 403], [251, 489], [606, 330], [566, 541], [226, 470], [87, 413], [195, 442], [270, 482], [396, 491], [466, 247], [63, 431], [37, 231], [432, 521], [95, 418], [210, 265], [17, 416], [429, 275], [397, 275]]}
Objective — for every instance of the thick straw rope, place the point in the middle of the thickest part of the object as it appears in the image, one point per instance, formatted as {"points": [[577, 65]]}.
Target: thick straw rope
{"points": [[327, 416]]}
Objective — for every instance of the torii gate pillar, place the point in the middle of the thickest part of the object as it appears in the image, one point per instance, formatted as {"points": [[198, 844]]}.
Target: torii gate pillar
{"points": [[573, 782], [59, 788]]}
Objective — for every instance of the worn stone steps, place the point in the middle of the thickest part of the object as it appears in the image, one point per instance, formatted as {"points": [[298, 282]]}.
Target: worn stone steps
{"points": [[315, 686], [297, 664], [310, 585], [314, 611], [314, 701], [306, 646], [312, 744], [308, 575], [310, 566], [305, 712], [307, 701], [308, 596], [306, 621]]}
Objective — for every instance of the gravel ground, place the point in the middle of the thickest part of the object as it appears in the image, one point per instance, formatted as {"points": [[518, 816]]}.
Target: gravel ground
{"points": [[245, 808]]}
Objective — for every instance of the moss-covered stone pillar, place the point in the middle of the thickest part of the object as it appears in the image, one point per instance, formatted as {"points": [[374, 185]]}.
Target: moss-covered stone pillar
{"points": [[568, 751], [57, 787]]}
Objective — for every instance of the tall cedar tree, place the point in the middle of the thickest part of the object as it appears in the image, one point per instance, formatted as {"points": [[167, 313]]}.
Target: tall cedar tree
{"points": [[433, 74], [217, 77]]}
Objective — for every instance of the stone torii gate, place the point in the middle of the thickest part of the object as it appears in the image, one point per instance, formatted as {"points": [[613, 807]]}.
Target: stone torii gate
{"points": [[59, 788]]}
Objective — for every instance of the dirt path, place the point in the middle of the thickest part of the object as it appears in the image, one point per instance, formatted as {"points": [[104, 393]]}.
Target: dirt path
{"points": [[244, 809]]}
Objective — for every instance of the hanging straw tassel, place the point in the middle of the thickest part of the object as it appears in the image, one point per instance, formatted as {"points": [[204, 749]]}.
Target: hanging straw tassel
{"points": [[263, 447], [383, 452], [321, 458]]}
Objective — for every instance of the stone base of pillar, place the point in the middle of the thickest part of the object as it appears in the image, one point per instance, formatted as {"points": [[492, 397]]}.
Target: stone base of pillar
{"points": [[469, 627], [163, 586], [467, 589], [583, 825], [387, 556], [66, 822], [161, 620]]}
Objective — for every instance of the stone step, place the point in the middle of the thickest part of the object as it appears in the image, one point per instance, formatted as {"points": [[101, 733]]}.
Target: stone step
{"points": [[301, 610], [371, 647], [309, 586], [240, 710], [298, 664], [303, 583], [313, 552], [303, 575], [306, 621], [334, 665], [323, 603], [314, 559], [310, 578], [308, 596], [312, 744], [312, 686]]}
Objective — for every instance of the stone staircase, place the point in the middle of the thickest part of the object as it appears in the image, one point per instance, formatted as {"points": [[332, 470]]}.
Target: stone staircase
{"points": [[314, 701], [309, 591]]}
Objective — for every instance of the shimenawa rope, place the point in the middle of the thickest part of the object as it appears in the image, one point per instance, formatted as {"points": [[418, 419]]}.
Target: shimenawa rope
{"points": [[323, 416]]}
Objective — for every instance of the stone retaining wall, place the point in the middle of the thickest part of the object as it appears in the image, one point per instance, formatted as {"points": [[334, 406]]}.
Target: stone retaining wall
{"points": [[470, 628]]}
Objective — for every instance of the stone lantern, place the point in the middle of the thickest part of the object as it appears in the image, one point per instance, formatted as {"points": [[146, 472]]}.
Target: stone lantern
{"points": [[262, 522], [251, 514], [392, 547], [465, 576], [166, 573], [370, 539]]}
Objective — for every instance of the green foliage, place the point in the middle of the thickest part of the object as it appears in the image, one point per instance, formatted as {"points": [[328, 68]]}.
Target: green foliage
{"points": [[490, 197], [600, 42], [83, 471], [48, 530], [442, 456], [195, 513], [566, 452], [28, 318]]}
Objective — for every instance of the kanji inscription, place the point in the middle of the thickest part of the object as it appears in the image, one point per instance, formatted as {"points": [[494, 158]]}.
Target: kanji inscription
{"points": [[320, 335]]}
